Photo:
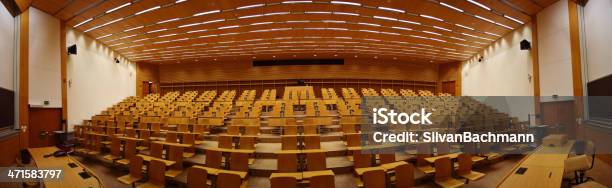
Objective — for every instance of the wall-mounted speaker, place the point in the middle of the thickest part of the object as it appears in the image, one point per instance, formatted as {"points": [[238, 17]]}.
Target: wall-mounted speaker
{"points": [[525, 45], [116, 60], [72, 49]]}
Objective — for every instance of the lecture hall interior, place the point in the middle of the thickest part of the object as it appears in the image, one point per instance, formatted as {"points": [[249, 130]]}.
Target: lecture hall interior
{"points": [[305, 93]]}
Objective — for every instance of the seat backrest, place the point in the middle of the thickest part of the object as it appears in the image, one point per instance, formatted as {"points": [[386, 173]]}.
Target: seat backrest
{"points": [[115, 146], [247, 143], [353, 140], [465, 163], [362, 160], [199, 128], [374, 179], [136, 167], [310, 129], [130, 133], [316, 161], [182, 128], [239, 161], [171, 137], [188, 138], [443, 168], [289, 142], [130, 149], [404, 176], [213, 158], [387, 158], [290, 130], [287, 162], [157, 169], [322, 181], [233, 130], [349, 128], [312, 142], [225, 141], [176, 155], [227, 180], [283, 182], [157, 150], [196, 178], [251, 130]]}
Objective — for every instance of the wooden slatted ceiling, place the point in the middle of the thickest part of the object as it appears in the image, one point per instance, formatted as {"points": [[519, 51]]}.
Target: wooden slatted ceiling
{"points": [[187, 30]]}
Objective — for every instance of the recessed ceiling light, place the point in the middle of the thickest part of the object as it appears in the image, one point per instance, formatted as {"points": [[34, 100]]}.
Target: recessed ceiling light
{"points": [[346, 3], [441, 28], [465, 27], [479, 4], [117, 8], [514, 19], [410, 22], [169, 20], [346, 13], [450, 6], [179, 1], [402, 28], [213, 21], [295, 2], [229, 27], [485, 19], [391, 9], [385, 18], [273, 56], [370, 24], [189, 25], [103, 36], [207, 12], [262, 23], [431, 17], [155, 31], [315, 55], [355, 55], [105, 24], [148, 10], [83, 22], [250, 16], [335, 55], [250, 6], [508, 27]]}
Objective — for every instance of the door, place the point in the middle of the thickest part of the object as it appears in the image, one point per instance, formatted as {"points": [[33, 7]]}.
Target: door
{"points": [[43, 121]]}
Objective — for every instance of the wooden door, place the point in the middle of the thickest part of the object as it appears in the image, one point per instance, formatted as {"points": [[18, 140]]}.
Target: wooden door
{"points": [[559, 115], [448, 87], [43, 121]]}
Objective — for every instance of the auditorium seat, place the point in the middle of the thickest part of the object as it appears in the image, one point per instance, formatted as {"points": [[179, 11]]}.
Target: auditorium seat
{"points": [[443, 174], [135, 172], [197, 178], [156, 175]]}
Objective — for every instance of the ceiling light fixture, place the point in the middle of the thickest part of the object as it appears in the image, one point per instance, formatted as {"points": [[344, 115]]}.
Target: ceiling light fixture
{"points": [[508, 27], [103, 36], [465, 27], [213, 21], [197, 31], [179, 1], [442, 28], [450, 6], [170, 20], [479, 4], [250, 6], [392, 9], [410, 22], [148, 10], [207, 12], [370, 24], [107, 23], [485, 19], [402, 28], [295, 2], [431, 17], [131, 29], [250, 16], [229, 27], [513, 19], [385, 18], [117, 8], [189, 25], [83, 22], [345, 3], [346, 13], [155, 31], [431, 32]]}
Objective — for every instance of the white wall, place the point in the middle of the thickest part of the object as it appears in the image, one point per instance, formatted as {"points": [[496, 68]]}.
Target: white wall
{"points": [[44, 60], [504, 70], [598, 31], [554, 50], [95, 81], [7, 37]]}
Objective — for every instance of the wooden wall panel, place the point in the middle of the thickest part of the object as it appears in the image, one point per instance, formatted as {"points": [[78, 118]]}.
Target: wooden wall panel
{"points": [[145, 72], [243, 70], [448, 72], [601, 137], [9, 151], [24, 27]]}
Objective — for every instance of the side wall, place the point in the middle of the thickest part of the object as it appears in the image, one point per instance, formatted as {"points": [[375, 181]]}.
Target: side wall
{"points": [[598, 32], [555, 50], [7, 49], [95, 81], [243, 70], [44, 60], [505, 69]]}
